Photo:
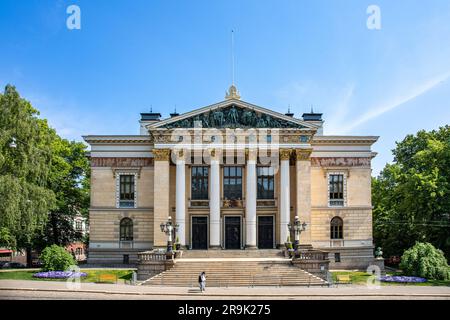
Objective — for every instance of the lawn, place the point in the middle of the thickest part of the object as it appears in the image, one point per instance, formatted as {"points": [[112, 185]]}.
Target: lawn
{"points": [[360, 278], [93, 275]]}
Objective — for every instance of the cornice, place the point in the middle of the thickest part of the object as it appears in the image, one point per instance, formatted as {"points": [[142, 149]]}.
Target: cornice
{"points": [[322, 140], [132, 139]]}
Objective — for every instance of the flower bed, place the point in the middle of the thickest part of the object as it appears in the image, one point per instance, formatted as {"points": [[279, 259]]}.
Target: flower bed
{"points": [[59, 274], [402, 279]]}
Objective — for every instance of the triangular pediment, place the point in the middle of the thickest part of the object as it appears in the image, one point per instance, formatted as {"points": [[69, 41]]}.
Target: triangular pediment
{"points": [[233, 114]]}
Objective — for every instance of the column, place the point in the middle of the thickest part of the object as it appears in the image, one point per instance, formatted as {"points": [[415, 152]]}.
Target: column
{"points": [[303, 168], [285, 199], [181, 198], [250, 201], [214, 203], [160, 195]]}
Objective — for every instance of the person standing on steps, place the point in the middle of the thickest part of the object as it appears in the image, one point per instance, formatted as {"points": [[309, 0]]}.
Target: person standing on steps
{"points": [[202, 281]]}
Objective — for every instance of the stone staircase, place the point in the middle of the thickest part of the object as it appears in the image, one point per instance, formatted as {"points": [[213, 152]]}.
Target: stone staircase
{"points": [[235, 272]]}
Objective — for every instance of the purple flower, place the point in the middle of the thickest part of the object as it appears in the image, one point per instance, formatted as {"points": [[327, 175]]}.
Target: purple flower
{"points": [[402, 279], [59, 274]]}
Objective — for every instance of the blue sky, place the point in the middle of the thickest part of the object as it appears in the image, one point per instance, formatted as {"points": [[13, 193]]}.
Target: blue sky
{"points": [[133, 55]]}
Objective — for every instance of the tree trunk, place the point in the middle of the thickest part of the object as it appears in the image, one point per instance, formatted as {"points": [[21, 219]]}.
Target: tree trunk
{"points": [[29, 257], [55, 228]]}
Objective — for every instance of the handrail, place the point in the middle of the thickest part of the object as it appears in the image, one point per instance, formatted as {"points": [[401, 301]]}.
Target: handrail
{"points": [[311, 255], [151, 256]]}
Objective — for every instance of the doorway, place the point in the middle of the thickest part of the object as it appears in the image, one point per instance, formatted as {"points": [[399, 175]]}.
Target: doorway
{"points": [[232, 232], [265, 232], [199, 233]]}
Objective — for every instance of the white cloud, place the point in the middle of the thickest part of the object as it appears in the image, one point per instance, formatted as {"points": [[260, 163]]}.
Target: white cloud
{"points": [[396, 102], [340, 111]]}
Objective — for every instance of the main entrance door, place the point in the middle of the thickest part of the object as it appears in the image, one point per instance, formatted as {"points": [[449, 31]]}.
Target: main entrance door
{"points": [[232, 233], [200, 233], [265, 232]]}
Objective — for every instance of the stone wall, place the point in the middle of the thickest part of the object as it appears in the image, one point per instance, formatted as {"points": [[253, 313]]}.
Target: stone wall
{"points": [[104, 244], [103, 187], [160, 195], [357, 224]]}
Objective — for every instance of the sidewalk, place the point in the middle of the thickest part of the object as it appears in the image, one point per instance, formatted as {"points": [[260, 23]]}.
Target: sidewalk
{"points": [[342, 292]]}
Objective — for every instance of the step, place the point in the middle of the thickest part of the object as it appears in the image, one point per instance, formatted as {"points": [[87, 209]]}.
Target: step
{"points": [[235, 272]]}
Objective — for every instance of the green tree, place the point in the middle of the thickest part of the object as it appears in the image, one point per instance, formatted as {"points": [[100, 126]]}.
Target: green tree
{"points": [[411, 197], [424, 260], [44, 179], [69, 180], [56, 258], [24, 171]]}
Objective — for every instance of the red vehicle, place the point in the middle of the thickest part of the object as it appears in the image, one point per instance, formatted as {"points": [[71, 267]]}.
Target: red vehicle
{"points": [[392, 261]]}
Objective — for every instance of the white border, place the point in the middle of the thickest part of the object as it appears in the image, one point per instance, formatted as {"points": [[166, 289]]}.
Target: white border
{"points": [[118, 174], [344, 173]]}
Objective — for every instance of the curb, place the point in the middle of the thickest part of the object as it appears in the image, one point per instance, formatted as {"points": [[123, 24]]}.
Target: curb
{"points": [[437, 295]]}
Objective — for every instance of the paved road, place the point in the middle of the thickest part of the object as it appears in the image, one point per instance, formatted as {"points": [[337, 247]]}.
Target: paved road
{"points": [[22, 289]]}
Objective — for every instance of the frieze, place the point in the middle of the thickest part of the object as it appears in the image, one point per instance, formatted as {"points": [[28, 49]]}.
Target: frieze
{"points": [[121, 162], [340, 162]]}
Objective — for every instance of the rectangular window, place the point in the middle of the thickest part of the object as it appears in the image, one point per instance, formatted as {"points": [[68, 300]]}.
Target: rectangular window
{"points": [[126, 185], [78, 226], [265, 183], [232, 183], [336, 190], [337, 257], [199, 183]]}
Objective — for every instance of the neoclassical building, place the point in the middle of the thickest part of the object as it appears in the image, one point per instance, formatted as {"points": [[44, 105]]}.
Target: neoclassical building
{"points": [[232, 175]]}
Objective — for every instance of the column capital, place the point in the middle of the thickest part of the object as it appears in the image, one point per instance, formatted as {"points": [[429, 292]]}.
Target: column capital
{"points": [[303, 154], [161, 154], [251, 154], [215, 153], [285, 154], [179, 155]]}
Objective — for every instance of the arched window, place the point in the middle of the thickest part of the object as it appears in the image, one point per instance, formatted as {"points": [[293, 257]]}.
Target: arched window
{"points": [[126, 229], [336, 227]]}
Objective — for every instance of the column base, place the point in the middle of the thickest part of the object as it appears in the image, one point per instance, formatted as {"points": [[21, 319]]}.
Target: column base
{"points": [[215, 248], [250, 247]]}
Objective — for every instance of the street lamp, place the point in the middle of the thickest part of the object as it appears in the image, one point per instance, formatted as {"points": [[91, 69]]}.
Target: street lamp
{"points": [[169, 229], [297, 227]]}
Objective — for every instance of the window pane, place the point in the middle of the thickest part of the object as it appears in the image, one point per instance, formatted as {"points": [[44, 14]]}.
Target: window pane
{"points": [[126, 229], [265, 183], [199, 183], [126, 189], [336, 186], [232, 182]]}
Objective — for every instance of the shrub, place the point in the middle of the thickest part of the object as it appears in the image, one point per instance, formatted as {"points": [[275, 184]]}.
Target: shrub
{"points": [[424, 260], [56, 258]]}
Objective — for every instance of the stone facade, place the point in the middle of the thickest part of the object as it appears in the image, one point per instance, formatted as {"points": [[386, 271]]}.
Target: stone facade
{"points": [[161, 186]]}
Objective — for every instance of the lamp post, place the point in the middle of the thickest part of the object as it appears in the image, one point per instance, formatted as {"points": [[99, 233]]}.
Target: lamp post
{"points": [[297, 227], [169, 229]]}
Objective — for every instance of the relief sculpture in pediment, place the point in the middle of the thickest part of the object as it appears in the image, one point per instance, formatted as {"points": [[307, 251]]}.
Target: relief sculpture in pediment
{"points": [[233, 117]]}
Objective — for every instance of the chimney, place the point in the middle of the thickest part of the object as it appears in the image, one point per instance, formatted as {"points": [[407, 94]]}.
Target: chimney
{"points": [[314, 118], [289, 113], [148, 118], [174, 113]]}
